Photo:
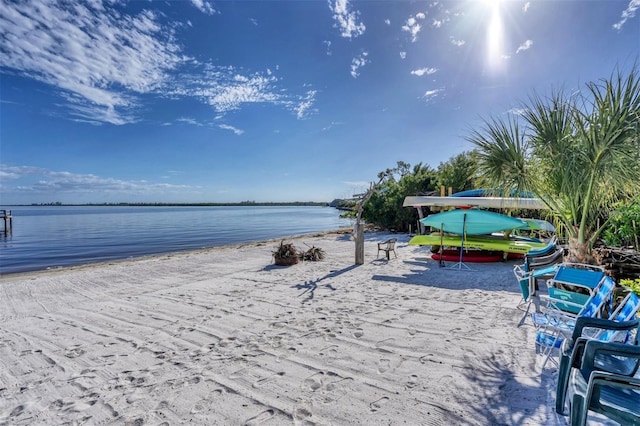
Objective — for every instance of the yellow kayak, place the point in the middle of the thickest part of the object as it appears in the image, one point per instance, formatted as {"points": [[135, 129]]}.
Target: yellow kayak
{"points": [[485, 242]]}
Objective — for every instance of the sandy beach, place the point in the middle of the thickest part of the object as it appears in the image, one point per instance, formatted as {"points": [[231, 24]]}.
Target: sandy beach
{"points": [[224, 337]]}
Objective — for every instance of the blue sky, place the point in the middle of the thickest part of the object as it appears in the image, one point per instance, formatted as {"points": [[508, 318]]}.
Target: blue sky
{"points": [[226, 101]]}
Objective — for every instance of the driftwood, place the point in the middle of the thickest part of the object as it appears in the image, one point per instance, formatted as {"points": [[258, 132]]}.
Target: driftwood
{"points": [[620, 263]]}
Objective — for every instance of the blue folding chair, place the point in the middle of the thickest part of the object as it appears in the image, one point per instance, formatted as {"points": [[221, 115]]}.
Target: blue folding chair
{"points": [[555, 323]]}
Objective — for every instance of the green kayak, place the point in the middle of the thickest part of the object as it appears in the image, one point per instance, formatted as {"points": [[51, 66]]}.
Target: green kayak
{"points": [[485, 242]]}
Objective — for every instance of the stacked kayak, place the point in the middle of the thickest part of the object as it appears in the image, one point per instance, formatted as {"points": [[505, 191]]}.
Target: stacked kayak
{"points": [[468, 233], [479, 242]]}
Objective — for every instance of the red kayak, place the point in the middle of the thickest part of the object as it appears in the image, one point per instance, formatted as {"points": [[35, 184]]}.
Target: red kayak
{"points": [[472, 256]]}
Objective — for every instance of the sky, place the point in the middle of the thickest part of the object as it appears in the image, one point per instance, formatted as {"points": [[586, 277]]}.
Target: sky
{"points": [[228, 101]]}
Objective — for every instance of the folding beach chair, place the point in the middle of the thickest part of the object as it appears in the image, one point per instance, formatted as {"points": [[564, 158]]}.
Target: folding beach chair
{"points": [[585, 277], [573, 284], [530, 272], [555, 323]]}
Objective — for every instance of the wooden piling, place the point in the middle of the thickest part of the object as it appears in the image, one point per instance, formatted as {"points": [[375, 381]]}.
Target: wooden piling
{"points": [[7, 219]]}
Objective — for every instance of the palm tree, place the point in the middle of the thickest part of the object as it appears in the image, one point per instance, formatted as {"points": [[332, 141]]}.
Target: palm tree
{"points": [[579, 152]]}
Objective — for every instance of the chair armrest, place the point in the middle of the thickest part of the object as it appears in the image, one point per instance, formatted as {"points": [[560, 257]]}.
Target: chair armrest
{"points": [[603, 378], [612, 379], [594, 348], [603, 324], [552, 305], [519, 272]]}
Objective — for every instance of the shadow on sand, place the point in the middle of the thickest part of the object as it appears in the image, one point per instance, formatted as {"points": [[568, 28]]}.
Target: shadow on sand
{"points": [[310, 287]]}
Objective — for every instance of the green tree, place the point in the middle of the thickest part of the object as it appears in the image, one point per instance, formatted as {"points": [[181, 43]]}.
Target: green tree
{"points": [[579, 152], [385, 209], [459, 172], [623, 228]]}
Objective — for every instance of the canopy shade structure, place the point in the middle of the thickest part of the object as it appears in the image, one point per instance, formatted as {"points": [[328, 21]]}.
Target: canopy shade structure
{"points": [[472, 222], [487, 202]]}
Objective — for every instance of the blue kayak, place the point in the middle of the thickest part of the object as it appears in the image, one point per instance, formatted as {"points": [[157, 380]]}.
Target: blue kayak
{"points": [[472, 222]]}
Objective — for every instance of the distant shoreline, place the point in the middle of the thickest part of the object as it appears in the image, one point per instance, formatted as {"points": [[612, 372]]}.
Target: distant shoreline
{"points": [[240, 204]]}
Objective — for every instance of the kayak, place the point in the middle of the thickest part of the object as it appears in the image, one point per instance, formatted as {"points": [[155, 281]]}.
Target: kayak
{"points": [[486, 242], [472, 222], [473, 256]]}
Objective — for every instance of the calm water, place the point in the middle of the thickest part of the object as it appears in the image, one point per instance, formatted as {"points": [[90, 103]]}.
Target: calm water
{"points": [[49, 237]]}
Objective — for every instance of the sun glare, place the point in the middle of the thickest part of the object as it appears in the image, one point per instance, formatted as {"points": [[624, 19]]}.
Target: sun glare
{"points": [[495, 37]]}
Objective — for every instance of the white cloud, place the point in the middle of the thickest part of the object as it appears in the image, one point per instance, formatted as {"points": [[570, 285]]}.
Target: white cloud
{"points": [[328, 44], [346, 20], [457, 42], [524, 46], [517, 111], [204, 6], [436, 23], [403, 55], [387, 21], [303, 107], [86, 50], [357, 63], [188, 120], [38, 180], [526, 6], [431, 94], [101, 61], [332, 125], [628, 13], [413, 27], [228, 93], [424, 71], [233, 129]]}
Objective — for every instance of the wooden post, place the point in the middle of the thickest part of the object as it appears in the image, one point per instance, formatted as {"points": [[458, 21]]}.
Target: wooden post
{"points": [[420, 216], [359, 237], [359, 227], [6, 217]]}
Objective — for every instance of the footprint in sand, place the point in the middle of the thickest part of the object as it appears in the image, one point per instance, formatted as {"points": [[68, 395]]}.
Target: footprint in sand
{"points": [[82, 404], [237, 374], [358, 333], [261, 382], [384, 342], [260, 418], [301, 414], [329, 351], [199, 406], [314, 382], [337, 389], [376, 405], [74, 352], [429, 358], [16, 411], [384, 365], [413, 382]]}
